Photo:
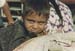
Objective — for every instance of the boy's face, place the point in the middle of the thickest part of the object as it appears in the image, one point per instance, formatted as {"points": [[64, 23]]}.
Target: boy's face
{"points": [[35, 23]]}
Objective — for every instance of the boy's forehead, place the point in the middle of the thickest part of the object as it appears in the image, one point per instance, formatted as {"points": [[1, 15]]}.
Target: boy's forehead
{"points": [[36, 16]]}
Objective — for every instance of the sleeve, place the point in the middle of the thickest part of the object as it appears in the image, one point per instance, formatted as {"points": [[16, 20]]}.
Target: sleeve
{"points": [[16, 42], [54, 20], [18, 36], [67, 18], [2, 2]]}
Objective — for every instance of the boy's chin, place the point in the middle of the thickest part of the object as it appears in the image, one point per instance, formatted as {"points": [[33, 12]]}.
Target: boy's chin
{"points": [[34, 33]]}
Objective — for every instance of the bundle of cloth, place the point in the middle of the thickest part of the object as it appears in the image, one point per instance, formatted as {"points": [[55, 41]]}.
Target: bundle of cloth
{"points": [[50, 42]]}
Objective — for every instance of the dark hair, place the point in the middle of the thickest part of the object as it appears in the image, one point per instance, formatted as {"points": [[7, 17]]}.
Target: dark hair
{"points": [[39, 6], [56, 6]]}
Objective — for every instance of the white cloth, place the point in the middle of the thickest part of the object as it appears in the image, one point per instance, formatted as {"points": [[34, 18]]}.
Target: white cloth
{"points": [[2, 2], [53, 42]]}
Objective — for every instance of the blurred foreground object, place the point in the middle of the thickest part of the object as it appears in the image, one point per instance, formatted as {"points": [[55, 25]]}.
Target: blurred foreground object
{"points": [[52, 42]]}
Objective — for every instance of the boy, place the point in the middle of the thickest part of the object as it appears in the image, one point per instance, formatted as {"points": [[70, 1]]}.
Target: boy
{"points": [[35, 18], [35, 15]]}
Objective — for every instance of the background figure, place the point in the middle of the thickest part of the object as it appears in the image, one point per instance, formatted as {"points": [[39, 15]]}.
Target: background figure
{"points": [[60, 18], [5, 7], [2, 2]]}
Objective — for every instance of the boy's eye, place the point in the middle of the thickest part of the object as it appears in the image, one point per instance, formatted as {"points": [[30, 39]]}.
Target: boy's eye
{"points": [[31, 21], [41, 23]]}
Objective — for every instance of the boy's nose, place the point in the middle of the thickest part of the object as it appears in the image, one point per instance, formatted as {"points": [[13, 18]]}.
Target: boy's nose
{"points": [[35, 26]]}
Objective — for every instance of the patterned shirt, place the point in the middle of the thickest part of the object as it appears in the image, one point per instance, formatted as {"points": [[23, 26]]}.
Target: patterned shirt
{"points": [[54, 20]]}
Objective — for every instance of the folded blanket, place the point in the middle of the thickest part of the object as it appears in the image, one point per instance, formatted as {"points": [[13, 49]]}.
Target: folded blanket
{"points": [[51, 42]]}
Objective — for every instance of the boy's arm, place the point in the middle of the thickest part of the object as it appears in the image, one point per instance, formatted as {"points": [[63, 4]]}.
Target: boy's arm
{"points": [[8, 14]]}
